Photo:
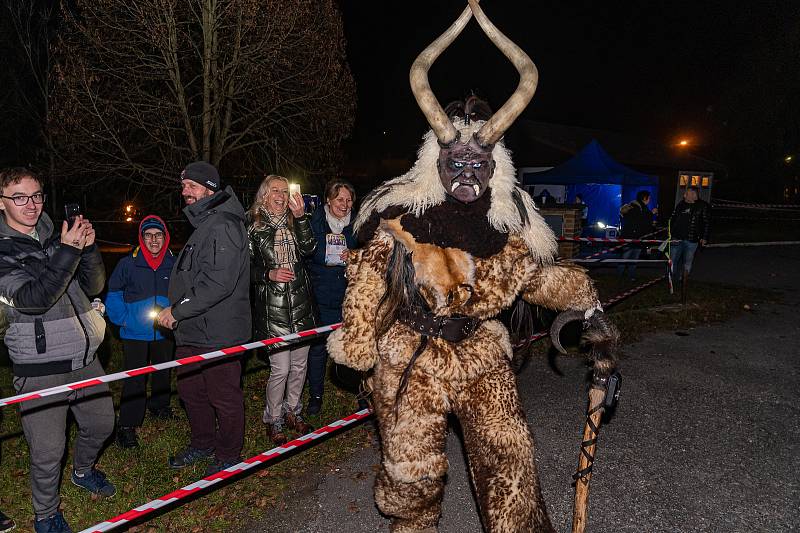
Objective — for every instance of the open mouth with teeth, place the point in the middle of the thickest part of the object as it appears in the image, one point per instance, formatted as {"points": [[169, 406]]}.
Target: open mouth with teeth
{"points": [[465, 190]]}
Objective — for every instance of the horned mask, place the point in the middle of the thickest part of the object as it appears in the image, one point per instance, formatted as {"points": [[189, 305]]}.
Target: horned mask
{"points": [[466, 166]]}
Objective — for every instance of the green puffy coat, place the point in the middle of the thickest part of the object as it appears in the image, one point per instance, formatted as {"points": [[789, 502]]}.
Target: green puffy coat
{"points": [[281, 308]]}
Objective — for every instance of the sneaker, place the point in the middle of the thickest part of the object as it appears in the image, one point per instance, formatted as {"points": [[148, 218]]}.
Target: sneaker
{"points": [[218, 466], [190, 456], [276, 433], [314, 405], [6, 524], [165, 413], [296, 422], [126, 437], [51, 524], [95, 482]]}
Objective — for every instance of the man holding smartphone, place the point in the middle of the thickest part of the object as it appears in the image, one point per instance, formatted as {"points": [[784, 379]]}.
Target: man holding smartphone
{"points": [[53, 333], [209, 294]]}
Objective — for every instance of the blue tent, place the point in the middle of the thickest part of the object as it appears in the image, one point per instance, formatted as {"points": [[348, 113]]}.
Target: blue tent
{"points": [[604, 184]]}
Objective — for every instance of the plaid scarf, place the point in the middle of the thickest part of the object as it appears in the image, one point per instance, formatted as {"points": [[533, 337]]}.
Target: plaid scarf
{"points": [[284, 245]]}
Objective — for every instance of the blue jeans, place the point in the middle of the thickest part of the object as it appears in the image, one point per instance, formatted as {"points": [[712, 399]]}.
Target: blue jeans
{"points": [[682, 255], [631, 252]]}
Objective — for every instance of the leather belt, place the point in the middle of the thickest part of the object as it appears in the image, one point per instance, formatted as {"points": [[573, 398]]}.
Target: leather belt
{"points": [[453, 328]]}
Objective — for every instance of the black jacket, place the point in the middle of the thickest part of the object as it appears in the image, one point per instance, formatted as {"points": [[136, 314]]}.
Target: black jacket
{"points": [[281, 308], [690, 222], [637, 220], [52, 328], [209, 288]]}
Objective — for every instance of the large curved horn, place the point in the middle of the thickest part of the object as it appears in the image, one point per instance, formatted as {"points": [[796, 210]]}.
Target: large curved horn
{"points": [[562, 320], [418, 76], [496, 126]]}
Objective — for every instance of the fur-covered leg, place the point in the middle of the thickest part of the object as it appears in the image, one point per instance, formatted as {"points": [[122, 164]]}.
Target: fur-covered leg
{"points": [[410, 484], [500, 450]]}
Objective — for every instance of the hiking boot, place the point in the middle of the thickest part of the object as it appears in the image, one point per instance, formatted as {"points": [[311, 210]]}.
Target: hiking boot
{"points": [[126, 437], [296, 422], [6, 524], [314, 405], [218, 466], [276, 433], [164, 413], [95, 482], [190, 456], [51, 524]]}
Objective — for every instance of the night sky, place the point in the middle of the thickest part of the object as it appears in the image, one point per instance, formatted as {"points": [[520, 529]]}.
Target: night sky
{"points": [[657, 69]]}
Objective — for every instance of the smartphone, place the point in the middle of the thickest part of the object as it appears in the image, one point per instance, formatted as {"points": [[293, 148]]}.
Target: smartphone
{"points": [[71, 212], [294, 188]]}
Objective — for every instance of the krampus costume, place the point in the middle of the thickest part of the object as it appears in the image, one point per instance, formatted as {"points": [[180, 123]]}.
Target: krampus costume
{"points": [[453, 242]]}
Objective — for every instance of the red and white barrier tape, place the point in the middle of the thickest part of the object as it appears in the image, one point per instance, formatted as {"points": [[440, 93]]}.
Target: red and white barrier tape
{"points": [[108, 378], [603, 260], [719, 202], [619, 297], [738, 244], [615, 248], [600, 239], [188, 490]]}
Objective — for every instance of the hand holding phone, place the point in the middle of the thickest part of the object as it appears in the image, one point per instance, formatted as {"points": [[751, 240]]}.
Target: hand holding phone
{"points": [[71, 212]]}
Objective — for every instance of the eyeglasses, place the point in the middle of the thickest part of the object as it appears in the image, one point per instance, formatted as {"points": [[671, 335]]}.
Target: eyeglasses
{"points": [[22, 199], [153, 236]]}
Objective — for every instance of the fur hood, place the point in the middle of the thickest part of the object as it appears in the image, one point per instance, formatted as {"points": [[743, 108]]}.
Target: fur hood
{"points": [[420, 188]]}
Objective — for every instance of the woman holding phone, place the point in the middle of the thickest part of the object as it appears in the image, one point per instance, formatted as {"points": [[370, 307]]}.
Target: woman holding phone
{"points": [[280, 237]]}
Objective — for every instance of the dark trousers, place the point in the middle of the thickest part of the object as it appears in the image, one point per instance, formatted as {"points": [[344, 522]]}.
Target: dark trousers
{"points": [[318, 352], [212, 395], [134, 390]]}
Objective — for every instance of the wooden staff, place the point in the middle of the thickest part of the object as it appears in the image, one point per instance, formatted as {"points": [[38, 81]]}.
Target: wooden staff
{"points": [[597, 396]]}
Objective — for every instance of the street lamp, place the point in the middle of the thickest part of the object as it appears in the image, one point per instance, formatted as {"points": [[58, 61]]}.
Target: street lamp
{"points": [[788, 159]]}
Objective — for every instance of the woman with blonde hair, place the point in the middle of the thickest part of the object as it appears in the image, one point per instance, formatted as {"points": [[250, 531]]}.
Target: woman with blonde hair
{"points": [[280, 237]]}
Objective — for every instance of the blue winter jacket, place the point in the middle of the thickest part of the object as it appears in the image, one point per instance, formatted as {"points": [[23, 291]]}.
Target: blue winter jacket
{"points": [[134, 291], [328, 282]]}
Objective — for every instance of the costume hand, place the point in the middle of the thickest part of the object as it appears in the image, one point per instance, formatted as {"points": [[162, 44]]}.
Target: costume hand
{"points": [[296, 205], [165, 318], [281, 275], [76, 235]]}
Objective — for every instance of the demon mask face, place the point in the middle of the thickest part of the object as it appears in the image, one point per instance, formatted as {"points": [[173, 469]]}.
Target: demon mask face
{"points": [[465, 170]]}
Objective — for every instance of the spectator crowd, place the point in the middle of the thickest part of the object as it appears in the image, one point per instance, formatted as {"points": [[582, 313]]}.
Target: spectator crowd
{"points": [[261, 272]]}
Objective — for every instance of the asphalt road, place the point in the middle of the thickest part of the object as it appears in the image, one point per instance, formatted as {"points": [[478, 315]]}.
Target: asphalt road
{"points": [[705, 438]]}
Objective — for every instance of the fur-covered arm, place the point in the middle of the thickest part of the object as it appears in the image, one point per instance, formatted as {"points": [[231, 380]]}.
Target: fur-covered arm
{"points": [[568, 288], [561, 286], [354, 343]]}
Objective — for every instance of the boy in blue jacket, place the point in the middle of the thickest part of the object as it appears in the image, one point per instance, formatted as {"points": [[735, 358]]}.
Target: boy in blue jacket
{"points": [[137, 291]]}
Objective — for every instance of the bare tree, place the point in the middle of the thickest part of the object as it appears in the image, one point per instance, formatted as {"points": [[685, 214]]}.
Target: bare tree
{"points": [[145, 86], [28, 27]]}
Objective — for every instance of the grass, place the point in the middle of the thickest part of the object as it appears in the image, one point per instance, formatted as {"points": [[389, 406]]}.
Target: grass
{"points": [[142, 475]]}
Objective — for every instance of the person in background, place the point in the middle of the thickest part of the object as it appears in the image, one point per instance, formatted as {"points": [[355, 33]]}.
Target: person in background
{"points": [[280, 237], [46, 278], [333, 231], [689, 227], [584, 210], [137, 291], [209, 294], [637, 221]]}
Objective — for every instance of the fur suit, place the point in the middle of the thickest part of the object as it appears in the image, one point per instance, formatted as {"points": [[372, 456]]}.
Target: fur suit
{"points": [[471, 260]]}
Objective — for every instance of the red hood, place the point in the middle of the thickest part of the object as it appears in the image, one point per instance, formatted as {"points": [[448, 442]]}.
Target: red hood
{"points": [[154, 261]]}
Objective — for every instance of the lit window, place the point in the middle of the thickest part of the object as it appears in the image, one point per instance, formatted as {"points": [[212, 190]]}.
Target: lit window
{"points": [[684, 180], [695, 181], [706, 182]]}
